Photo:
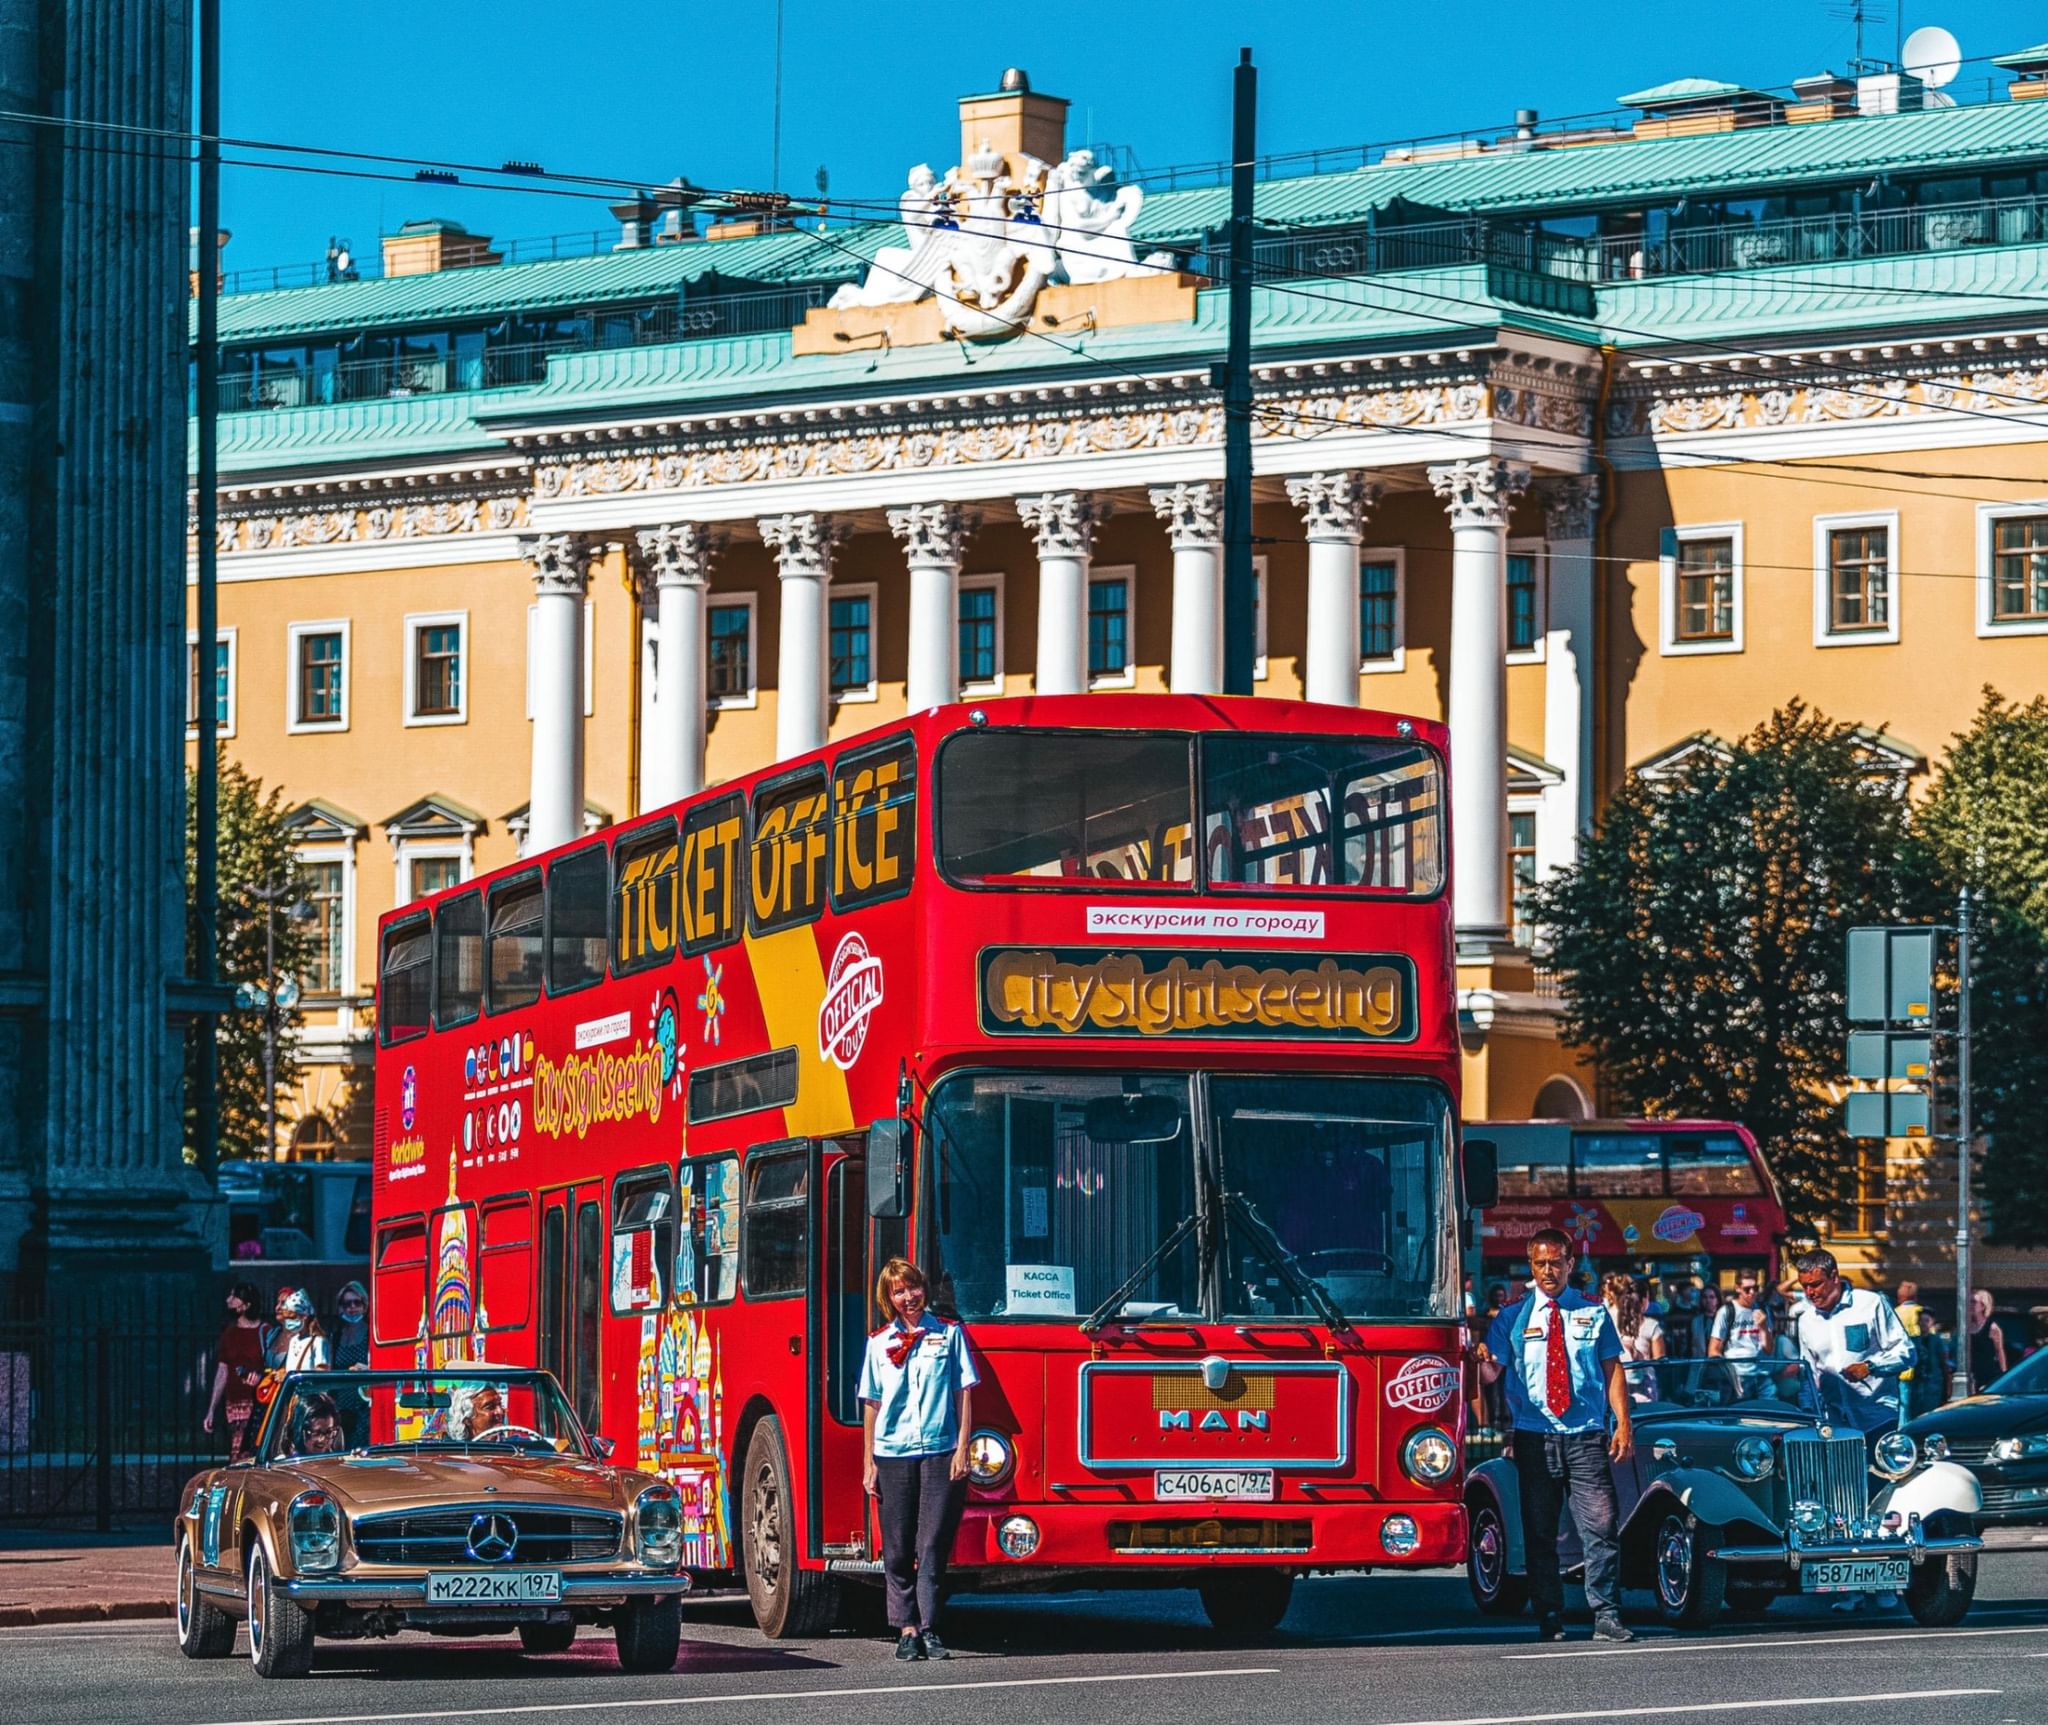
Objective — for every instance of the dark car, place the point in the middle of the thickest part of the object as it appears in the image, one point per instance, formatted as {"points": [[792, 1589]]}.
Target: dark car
{"points": [[1748, 1482], [2001, 1436]]}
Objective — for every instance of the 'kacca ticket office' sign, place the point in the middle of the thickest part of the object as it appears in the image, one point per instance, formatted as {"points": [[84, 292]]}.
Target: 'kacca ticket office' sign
{"points": [[1069, 991]]}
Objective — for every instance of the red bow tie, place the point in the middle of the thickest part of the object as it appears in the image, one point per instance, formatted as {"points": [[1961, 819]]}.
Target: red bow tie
{"points": [[900, 1345]]}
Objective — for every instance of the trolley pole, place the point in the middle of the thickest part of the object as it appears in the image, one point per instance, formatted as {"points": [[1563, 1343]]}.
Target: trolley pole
{"points": [[1964, 1145], [1240, 591], [206, 793]]}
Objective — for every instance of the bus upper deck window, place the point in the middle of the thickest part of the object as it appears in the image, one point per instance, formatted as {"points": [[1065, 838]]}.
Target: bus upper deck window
{"points": [[1710, 1165], [406, 979], [578, 888], [459, 963], [515, 960]]}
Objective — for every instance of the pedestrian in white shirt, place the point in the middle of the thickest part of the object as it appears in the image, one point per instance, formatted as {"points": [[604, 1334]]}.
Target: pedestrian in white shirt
{"points": [[1742, 1328], [1853, 1343]]}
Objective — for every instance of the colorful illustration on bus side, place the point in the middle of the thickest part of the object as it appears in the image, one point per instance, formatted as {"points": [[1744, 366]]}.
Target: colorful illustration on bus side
{"points": [[451, 1304], [682, 1427], [711, 1002], [1583, 1225], [1676, 1223], [853, 989], [665, 1031], [408, 1099], [1423, 1384]]}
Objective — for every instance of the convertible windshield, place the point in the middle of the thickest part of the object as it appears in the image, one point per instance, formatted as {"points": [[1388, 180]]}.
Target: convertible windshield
{"points": [[1070, 1195], [1759, 1385], [332, 1413]]}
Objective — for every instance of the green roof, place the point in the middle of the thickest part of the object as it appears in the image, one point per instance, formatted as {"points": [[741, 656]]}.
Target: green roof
{"points": [[2034, 56], [1682, 90]]}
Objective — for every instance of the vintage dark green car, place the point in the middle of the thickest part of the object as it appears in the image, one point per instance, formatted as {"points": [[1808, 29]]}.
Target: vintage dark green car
{"points": [[1745, 1485]]}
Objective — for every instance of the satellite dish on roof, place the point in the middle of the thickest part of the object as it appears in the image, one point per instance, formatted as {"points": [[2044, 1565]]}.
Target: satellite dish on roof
{"points": [[1933, 56]]}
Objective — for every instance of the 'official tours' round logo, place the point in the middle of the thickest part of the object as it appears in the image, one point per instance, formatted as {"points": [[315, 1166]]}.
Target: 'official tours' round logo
{"points": [[853, 989], [1423, 1384]]}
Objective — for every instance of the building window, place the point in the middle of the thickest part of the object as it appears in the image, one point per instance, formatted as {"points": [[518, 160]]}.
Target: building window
{"points": [[318, 697], [1525, 600], [1867, 1215], [1856, 596], [435, 691], [1379, 610], [1706, 590], [729, 627], [324, 886], [1109, 631], [432, 875], [1521, 870], [981, 633], [223, 683], [2019, 569], [852, 646]]}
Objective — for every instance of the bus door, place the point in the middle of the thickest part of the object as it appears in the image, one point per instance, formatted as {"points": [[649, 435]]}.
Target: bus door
{"points": [[572, 1269], [841, 1289]]}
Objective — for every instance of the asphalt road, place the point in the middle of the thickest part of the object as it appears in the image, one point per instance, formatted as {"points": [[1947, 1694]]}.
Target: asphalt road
{"points": [[1368, 1650]]}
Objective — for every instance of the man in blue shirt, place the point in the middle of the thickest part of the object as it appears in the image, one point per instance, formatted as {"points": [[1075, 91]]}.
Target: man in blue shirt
{"points": [[1561, 1360]]}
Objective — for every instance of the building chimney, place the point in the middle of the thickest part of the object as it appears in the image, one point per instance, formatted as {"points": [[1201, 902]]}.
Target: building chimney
{"points": [[1824, 96], [425, 248], [1525, 125], [636, 222], [1014, 121]]}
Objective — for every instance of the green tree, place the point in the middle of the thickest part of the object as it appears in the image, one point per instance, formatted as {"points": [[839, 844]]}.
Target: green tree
{"points": [[1985, 824], [1701, 936], [255, 853]]}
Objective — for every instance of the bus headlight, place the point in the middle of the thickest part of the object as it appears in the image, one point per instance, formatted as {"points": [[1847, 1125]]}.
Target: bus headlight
{"points": [[1754, 1457], [1398, 1535], [1894, 1455], [1429, 1456], [990, 1458], [658, 1526], [315, 1524], [1018, 1536]]}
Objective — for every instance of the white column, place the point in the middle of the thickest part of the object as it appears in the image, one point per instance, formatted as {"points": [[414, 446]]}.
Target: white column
{"points": [[1479, 495], [803, 547], [1065, 524], [675, 563], [1193, 515], [1333, 508], [934, 539], [1570, 505], [561, 580]]}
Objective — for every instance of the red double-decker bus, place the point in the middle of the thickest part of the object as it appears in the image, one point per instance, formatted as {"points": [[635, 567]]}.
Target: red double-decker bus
{"points": [[1131, 1018]]}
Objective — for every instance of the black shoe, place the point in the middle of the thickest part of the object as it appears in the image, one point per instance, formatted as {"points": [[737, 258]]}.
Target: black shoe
{"points": [[934, 1648], [1550, 1627], [910, 1645], [1607, 1626]]}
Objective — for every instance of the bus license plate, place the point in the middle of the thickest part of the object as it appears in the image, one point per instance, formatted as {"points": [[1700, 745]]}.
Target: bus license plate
{"points": [[1214, 1484], [493, 1586], [1855, 1575]]}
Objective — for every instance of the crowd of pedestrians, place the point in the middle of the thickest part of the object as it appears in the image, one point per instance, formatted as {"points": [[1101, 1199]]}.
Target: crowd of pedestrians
{"points": [[253, 1353]]}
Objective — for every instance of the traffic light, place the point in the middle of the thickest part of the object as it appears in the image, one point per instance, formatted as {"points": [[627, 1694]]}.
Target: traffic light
{"points": [[1891, 984]]}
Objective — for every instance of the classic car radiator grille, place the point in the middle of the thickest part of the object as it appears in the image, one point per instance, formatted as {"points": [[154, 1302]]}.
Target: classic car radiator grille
{"points": [[1832, 1472], [436, 1536]]}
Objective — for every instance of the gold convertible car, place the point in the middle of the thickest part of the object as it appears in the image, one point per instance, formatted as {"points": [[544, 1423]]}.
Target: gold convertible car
{"points": [[463, 1500]]}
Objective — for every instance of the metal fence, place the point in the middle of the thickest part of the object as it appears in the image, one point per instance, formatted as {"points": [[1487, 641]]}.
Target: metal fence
{"points": [[101, 1426]]}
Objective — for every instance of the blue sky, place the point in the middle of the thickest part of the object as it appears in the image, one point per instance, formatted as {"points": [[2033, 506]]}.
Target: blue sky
{"points": [[634, 88]]}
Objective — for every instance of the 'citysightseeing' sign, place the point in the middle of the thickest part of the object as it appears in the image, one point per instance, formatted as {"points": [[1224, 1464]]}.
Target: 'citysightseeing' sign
{"points": [[1068, 991]]}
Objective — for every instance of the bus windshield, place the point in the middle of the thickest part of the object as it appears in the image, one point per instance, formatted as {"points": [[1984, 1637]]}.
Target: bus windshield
{"points": [[1058, 1193], [1272, 813]]}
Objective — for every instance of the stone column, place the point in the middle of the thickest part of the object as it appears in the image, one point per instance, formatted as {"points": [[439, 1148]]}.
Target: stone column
{"points": [[1479, 495], [1570, 505], [934, 539], [803, 546], [1193, 514], [1333, 508], [676, 563], [1065, 524], [561, 580]]}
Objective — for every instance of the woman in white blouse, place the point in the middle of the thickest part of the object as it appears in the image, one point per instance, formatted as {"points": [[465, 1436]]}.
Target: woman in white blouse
{"points": [[1642, 1336]]}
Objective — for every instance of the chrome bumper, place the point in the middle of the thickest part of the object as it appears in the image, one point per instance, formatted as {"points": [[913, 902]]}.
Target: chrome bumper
{"points": [[1792, 1556], [368, 1591]]}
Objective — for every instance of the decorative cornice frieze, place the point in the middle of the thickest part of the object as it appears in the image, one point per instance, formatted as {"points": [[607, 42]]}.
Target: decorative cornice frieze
{"points": [[252, 527], [1571, 504], [676, 554], [1334, 505], [803, 544], [1691, 399], [1064, 522], [1193, 514], [560, 562], [1479, 493], [933, 533]]}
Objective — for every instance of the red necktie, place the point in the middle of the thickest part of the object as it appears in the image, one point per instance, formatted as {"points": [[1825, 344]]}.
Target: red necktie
{"points": [[1557, 1377]]}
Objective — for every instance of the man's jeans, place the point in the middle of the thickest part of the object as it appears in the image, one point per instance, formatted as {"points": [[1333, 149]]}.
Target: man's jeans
{"points": [[1549, 1467]]}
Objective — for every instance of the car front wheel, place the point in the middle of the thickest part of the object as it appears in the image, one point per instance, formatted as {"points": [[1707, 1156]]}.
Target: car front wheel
{"points": [[204, 1630], [1495, 1591], [1690, 1584], [280, 1634], [650, 1631], [1940, 1590]]}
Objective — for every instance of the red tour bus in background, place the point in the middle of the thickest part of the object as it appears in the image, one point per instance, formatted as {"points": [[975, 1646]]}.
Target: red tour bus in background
{"points": [[1131, 1018], [1658, 1197]]}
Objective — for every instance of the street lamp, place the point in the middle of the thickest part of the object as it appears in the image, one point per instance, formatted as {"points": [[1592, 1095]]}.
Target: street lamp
{"points": [[270, 897]]}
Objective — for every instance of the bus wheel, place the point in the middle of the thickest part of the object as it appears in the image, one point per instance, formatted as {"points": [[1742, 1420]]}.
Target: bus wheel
{"points": [[1247, 1601], [790, 1602]]}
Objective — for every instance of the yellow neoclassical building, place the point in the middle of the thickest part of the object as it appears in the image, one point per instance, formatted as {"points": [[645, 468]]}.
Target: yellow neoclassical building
{"points": [[1598, 443]]}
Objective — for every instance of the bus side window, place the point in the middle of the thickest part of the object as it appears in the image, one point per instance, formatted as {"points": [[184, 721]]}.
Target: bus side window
{"points": [[554, 1273], [515, 921], [576, 892], [710, 886], [406, 978], [504, 1269], [708, 1262], [644, 898], [459, 961], [790, 863], [399, 1281], [874, 819], [775, 1231], [643, 1240]]}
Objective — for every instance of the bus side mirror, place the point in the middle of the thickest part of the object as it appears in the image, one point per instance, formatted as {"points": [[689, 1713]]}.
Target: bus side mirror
{"points": [[1482, 1173], [888, 1170]]}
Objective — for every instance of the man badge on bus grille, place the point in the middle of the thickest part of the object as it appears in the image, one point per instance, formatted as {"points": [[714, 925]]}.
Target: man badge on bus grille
{"points": [[853, 989]]}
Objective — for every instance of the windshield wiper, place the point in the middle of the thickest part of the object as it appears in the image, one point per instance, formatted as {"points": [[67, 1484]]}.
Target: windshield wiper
{"points": [[1136, 1279], [1270, 1247]]}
